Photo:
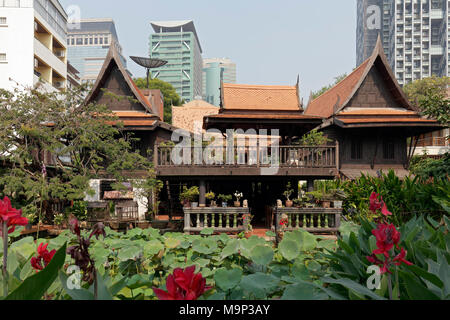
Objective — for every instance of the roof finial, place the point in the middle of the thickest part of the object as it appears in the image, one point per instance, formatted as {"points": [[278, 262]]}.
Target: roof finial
{"points": [[379, 46]]}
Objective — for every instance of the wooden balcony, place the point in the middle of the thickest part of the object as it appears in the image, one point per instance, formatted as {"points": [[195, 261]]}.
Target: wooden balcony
{"points": [[322, 161], [222, 220]]}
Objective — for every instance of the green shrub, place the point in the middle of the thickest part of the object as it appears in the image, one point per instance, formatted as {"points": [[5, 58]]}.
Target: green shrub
{"points": [[405, 198]]}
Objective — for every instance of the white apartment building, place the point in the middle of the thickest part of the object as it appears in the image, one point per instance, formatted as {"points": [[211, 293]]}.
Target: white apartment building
{"points": [[415, 35], [33, 44], [419, 39]]}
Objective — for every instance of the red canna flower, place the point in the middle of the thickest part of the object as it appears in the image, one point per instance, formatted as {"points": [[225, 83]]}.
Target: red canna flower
{"points": [[12, 217], [183, 285], [74, 226], [377, 204], [374, 260], [398, 260], [98, 230], [387, 236], [44, 257]]}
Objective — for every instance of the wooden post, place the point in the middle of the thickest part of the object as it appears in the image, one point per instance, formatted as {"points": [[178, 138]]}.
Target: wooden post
{"points": [[155, 155], [187, 222], [337, 156], [310, 185], [202, 197]]}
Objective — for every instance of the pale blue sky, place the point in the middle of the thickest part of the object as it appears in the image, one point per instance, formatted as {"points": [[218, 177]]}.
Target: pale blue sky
{"points": [[271, 41]]}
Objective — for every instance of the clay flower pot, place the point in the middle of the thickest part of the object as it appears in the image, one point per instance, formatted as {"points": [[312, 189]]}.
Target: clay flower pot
{"points": [[237, 204], [289, 203], [326, 204]]}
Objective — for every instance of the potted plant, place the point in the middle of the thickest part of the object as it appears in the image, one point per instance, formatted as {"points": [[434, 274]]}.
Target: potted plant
{"points": [[31, 219], [188, 196], [211, 196], [298, 202], [59, 220], [289, 191], [339, 196], [283, 223], [224, 198], [326, 200], [247, 220], [238, 196]]}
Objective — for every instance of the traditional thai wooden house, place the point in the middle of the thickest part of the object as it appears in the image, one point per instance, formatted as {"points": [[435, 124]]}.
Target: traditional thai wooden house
{"points": [[376, 127], [140, 111], [370, 123]]}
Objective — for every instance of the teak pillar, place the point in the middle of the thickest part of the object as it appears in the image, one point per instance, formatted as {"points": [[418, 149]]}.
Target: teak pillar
{"points": [[202, 196], [310, 185]]}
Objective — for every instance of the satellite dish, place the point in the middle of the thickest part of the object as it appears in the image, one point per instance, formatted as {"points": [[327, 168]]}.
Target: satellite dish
{"points": [[148, 63]]}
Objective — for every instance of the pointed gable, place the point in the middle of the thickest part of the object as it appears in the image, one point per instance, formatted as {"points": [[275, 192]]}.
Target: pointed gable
{"points": [[113, 79], [370, 86]]}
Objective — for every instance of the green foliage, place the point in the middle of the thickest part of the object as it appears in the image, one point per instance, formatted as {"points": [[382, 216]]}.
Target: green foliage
{"points": [[190, 194], [314, 138], [80, 137], [289, 191], [78, 209], [430, 95], [130, 265], [210, 196], [225, 197], [427, 244], [34, 287], [425, 167], [171, 98], [404, 198]]}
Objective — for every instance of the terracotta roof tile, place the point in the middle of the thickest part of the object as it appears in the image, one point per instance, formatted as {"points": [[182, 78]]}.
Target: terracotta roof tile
{"points": [[139, 123], [386, 120], [376, 112], [133, 114], [325, 103], [259, 97], [263, 116]]}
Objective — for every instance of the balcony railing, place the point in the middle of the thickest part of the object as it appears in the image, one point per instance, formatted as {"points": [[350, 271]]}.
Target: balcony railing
{"points": [[433, 142], [314, 220], [219, 219], [283, 156]]}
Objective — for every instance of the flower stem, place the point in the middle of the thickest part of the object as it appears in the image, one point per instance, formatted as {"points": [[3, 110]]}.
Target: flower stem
{"points": [[95, 285], [390, 286], [5, 258]]}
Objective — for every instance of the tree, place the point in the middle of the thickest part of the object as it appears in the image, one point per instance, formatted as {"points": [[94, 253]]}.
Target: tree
{"points": [[419, 89], [430, 96], [171, 98], [337, 79], [82, 142]]}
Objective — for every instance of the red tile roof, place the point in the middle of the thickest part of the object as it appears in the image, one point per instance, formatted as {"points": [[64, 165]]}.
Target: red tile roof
{"points": [[260, 97], [133, 114], [336, 96], [377, 112], [386, 120], [262, 116]]}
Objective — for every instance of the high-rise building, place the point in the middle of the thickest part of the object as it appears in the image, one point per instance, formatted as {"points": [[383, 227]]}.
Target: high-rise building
{"points": [[88, 45], [33, 44], [177, 42], [414, 33], [373, 19], [215, 71]]}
